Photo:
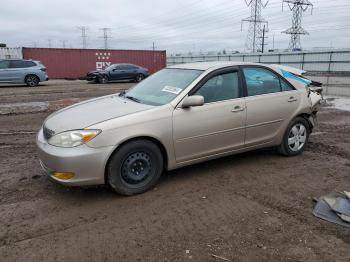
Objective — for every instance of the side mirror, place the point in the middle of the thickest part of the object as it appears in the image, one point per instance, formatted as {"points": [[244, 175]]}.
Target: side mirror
{"points": [[192, 101]]}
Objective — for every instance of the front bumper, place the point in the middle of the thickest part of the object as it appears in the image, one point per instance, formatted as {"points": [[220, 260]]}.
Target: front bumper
{"points": [[91, 77], [87, 163]]}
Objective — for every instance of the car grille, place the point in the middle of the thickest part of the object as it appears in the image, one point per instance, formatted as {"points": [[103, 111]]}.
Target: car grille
{"points": [[48, 133]]}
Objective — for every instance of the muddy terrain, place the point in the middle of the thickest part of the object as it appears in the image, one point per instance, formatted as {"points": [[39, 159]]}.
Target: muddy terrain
{"points": [[255, 206]]}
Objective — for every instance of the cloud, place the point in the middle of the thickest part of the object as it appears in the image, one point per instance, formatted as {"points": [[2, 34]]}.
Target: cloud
{"points": [[178, 26]]}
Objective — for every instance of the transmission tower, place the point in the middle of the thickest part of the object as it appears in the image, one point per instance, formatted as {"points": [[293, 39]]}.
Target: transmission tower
{"points": [[105, 36], [254, 37], [83, 30], [298, 7]]}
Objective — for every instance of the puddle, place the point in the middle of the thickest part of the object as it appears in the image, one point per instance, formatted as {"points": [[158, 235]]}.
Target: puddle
{"points": [[31, 107], [342, 103], [34, 107]]}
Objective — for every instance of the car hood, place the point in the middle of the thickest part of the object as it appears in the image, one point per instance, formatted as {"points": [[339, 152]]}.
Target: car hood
{"points": [[87, 113]]}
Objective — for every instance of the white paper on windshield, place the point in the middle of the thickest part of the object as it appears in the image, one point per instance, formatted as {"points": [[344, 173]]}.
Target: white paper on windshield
{"points": [[172, 89]]}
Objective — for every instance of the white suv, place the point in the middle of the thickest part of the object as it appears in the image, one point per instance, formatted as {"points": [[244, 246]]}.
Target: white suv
{"points": [[22, 71]]}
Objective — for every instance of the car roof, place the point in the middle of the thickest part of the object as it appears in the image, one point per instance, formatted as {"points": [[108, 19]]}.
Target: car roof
{"points": [[16, 59], [210, 65]]}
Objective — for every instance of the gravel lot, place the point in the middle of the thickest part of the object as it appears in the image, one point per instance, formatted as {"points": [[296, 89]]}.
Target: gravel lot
{"points": [[250, 207]]}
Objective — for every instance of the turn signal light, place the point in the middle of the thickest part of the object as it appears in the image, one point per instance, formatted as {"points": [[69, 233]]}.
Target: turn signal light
{"points": [[63, 175]]}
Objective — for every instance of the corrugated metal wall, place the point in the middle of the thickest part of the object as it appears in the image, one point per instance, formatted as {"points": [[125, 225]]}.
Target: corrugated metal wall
{"points": [[10, 52], [313, 61], [63, 63]]}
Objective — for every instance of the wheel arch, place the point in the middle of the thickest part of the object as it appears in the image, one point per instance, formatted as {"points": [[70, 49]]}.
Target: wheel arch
{"points": [[157, 142], [31, 74], [307, 118]]}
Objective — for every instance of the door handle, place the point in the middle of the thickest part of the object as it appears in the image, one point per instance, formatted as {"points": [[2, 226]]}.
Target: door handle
{"points": [[237, 109], [292, 99]]}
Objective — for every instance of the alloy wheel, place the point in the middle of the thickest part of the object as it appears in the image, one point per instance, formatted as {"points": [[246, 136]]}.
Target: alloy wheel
{"points": [[297, 137]]}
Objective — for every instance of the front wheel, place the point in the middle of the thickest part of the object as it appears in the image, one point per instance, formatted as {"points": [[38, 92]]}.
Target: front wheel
{"points": [[135, 167], [295, 137], [32, 80], [102, 79]]}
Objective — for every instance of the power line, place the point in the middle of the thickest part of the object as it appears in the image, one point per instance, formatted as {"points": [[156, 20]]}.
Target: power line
{"points": [[83, 35], [254, 37], [298, 7], [105, 36]]}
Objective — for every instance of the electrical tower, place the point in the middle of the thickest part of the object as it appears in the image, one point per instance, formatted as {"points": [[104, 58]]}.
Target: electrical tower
{"points": [[83, 30], [298, 7], [254, 37], [105, 36]]}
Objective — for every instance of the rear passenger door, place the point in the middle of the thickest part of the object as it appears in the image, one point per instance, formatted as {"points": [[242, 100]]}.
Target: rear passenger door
{"points": [[17, 70], [131, 71], [271, 102]]}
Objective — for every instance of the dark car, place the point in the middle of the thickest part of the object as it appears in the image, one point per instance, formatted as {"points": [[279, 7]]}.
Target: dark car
{"points": [[118, 72]]}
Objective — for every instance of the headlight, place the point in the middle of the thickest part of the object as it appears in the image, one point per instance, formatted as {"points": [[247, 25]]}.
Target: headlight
{"points": [[73, 138]]}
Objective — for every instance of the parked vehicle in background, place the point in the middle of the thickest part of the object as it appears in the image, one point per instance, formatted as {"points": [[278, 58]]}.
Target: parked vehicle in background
{"points": [[22, 71], [118, 72], [181, 115]]}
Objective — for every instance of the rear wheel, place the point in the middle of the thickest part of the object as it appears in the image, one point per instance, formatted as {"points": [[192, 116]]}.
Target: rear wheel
{"points": [[135, 167], [295, 137], [139, 77], [32, 80]]}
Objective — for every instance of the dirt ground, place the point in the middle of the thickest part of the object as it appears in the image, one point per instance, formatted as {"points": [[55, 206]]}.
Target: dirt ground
{"points": [[250, 207]]}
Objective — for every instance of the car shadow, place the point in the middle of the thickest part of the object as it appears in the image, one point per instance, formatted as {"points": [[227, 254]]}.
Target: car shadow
{"points": [[104, 192]]}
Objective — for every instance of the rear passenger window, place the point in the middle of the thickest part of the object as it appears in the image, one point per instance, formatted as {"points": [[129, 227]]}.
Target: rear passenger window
{"points": [[29, 64], [17, 64], [261, 81], [285, 86]]}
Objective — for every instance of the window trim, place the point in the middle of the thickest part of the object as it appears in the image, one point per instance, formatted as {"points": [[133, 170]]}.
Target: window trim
{"points": [[220, 71], [268, 69]]}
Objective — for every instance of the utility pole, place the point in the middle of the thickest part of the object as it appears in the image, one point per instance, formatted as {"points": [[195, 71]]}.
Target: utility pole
{"points": [[105, 36], [298, 7], [255, 20], [49, 43], [83, 30], [63, 42], [263, 40], [153, 47]]}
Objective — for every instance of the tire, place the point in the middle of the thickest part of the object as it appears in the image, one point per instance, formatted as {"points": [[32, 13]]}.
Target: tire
{"points": [[135, 167], [139, 78], [32, 80], [103, 79], [295, 138]]}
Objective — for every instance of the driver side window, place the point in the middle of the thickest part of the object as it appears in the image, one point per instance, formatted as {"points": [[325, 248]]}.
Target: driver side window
{"points": [[220, 87]]}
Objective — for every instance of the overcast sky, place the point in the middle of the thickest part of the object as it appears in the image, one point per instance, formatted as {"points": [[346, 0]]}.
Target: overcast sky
{"points": [[177, 26]]}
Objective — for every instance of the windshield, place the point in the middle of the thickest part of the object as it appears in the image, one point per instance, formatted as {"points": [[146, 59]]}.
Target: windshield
{"points": [[163, 86]]}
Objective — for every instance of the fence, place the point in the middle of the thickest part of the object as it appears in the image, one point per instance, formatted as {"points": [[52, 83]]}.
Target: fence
{"points": [[10, 52], [332, 61]]}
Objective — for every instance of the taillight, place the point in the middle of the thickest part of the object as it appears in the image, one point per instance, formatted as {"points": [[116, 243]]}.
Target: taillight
{"points": [[43, 69]]}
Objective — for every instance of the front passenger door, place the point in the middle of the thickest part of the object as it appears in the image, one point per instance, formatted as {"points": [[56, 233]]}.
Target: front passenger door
{"points": [[4, 75], [215, 127], [117, 73]]}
